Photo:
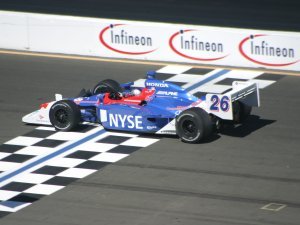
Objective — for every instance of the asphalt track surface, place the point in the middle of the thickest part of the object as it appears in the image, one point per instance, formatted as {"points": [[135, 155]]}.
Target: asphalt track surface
{"points": [[224, 181], [257, 14]]}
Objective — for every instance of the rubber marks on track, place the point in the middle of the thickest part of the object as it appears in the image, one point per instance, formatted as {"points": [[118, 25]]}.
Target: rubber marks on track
{"points": [[44, 161], [50, 176]]}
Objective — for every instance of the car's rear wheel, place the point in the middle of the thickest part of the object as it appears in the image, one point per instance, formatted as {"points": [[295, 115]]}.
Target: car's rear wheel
{"points": [[107, 86], [64, 115], [241, 112], [193, 125]]}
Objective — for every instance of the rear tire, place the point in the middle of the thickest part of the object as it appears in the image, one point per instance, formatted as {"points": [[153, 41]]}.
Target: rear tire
{"points": [[64, 115], [107, 86], [193, 125]]}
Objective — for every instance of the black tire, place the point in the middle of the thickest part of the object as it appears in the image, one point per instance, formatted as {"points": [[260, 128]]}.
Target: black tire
{"points": [[110, 86], [64, 115], [193, 125], [241, 112]]}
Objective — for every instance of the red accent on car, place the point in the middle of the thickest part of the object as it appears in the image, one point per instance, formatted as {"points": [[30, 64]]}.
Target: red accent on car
{"points": [[130, 100], [44, 105]]}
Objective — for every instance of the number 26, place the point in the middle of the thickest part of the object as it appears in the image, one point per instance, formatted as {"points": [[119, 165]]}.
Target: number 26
{"points": [[217, 104]]}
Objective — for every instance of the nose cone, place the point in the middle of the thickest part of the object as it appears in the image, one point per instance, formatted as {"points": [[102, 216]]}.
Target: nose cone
{"points": [[37, 117]]}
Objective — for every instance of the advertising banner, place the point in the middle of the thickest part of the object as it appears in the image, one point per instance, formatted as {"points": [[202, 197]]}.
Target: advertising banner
{"points": [[150, 41]]}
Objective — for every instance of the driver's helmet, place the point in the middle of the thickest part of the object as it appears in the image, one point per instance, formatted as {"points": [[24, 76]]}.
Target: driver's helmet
{"points": [[135, 92]]}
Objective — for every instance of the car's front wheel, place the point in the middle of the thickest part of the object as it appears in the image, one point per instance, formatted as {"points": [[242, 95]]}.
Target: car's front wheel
{"points": [[193, 125], [64, 115]]}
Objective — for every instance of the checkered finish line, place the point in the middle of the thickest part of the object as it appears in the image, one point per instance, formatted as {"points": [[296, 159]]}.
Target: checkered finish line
{"points": [[75, 155], [44, 161], [199, 81]]}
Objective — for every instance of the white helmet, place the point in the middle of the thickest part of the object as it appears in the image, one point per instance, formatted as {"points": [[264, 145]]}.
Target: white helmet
{"points": [[136, 92]]}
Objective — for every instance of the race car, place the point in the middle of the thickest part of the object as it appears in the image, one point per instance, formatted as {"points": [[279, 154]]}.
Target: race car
{"points": [[158, 107]]}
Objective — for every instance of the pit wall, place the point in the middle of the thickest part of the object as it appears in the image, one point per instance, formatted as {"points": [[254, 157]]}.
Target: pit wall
{"points": [[140, 40]]}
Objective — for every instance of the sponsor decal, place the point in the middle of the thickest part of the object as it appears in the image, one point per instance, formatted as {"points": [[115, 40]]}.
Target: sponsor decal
{"points": [[269, 50], [168, 93], [157, 85], [178, 108], [168, 132], [125, 121], [197, 45], [151, 127], [127, 39]]}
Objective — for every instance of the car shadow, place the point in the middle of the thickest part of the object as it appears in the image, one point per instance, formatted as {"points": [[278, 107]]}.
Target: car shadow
{"points": [[82, 128], [252, 124], [211, 138]]}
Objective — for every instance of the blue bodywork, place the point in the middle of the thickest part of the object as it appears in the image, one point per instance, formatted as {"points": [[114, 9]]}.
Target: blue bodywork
{"points": [[163, 106]]}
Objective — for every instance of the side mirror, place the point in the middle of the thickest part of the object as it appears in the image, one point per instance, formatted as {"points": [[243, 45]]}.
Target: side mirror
{"points": [[151, 74], [58, 97]]}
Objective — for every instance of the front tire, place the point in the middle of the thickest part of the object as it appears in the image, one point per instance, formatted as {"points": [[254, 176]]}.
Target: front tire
{"points": [[64, 115], [193, 125]]}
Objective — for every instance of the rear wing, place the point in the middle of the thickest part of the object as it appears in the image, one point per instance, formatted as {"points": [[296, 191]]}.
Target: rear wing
{"points": [[221, 105]]}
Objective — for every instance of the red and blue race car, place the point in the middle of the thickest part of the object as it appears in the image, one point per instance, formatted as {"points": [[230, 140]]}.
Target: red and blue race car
{"points": [[159, 107]]}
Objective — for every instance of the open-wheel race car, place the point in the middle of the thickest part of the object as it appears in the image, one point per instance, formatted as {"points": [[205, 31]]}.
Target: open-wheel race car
{"points": [[160, 107]]}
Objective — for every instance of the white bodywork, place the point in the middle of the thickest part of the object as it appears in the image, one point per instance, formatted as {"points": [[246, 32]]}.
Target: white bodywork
{"points": [[246, 92], [41, 116]]}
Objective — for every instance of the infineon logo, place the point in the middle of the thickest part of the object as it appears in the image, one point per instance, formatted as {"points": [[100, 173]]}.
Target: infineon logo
{"points": [[197, 45], [126, 39], [269, 50]]}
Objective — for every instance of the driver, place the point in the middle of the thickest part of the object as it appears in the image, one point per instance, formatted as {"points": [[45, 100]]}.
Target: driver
{"points": [[120, 95], [135, 92]]}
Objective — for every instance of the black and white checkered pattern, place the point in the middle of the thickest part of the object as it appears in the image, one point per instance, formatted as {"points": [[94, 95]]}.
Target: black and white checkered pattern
{"points": [[186, 76], [90, 156], [54, 174]]}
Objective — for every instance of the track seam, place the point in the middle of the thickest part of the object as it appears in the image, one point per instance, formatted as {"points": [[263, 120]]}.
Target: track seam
{"points": [[170, 168]]}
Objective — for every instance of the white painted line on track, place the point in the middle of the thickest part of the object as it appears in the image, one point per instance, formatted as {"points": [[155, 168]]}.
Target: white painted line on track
{"points": [[275, 207], [5, 177]]}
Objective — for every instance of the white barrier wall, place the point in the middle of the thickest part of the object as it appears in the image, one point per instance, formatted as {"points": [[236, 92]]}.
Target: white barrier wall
{"points": [[150, 41]]}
